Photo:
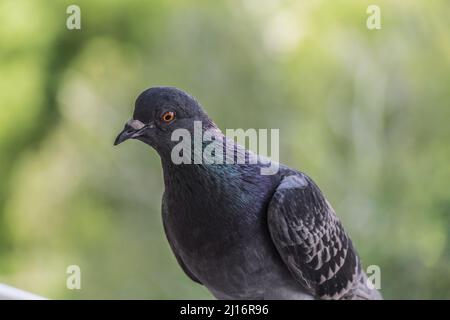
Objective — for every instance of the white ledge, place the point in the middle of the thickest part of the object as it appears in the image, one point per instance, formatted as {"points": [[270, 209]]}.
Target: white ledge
{"points": [[10, 293]]}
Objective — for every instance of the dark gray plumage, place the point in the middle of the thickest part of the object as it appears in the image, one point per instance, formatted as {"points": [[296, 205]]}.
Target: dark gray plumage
{"points": [[241, 234]]}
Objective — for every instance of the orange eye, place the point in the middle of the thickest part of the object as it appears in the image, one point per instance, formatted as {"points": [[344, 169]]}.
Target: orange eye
{"points": [[168, 116]]}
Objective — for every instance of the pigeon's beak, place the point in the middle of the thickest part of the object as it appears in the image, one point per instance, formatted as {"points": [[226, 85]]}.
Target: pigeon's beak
{"points": [[133, 129]]}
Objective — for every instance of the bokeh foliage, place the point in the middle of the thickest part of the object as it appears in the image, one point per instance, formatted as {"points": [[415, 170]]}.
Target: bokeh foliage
{"points": [[365, 113]]}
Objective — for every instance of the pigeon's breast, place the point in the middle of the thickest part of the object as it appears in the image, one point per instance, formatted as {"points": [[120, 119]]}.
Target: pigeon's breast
{"points": [[218, 228], [233, 263]]}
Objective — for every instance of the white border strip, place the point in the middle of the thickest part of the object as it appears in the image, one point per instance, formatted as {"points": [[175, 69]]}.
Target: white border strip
{"points": [[10, 293]]}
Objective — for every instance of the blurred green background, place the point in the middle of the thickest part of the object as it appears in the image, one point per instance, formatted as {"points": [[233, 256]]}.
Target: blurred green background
{"points": [[365, 113]]}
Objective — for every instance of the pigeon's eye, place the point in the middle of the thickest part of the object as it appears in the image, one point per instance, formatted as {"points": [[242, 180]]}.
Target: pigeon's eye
{"points": [[168, 116]]}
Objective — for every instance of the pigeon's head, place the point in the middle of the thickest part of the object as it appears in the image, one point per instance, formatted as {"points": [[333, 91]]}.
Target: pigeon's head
{"points": [[158, 113]]}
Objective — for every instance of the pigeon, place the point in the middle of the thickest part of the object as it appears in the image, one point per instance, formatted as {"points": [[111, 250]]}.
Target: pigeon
{"points": [[240, 233]]}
